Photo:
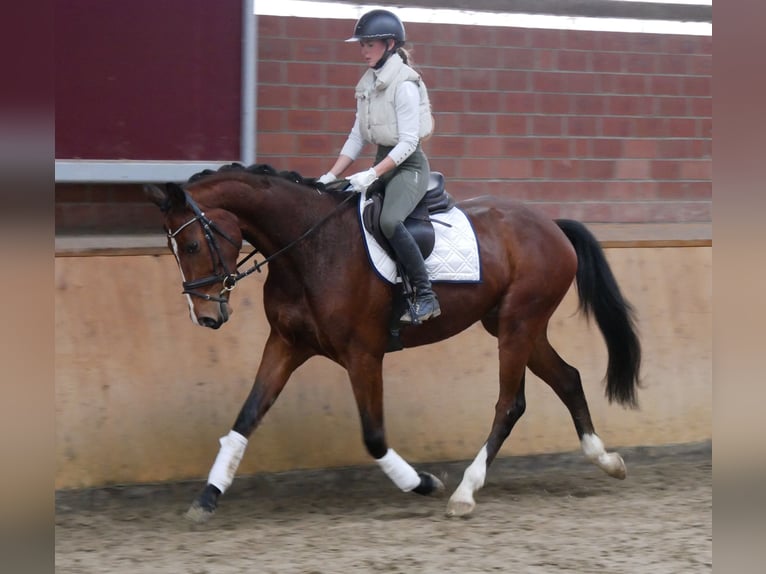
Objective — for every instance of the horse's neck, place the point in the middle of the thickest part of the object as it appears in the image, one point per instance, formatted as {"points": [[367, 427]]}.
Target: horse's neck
{"points": [[275, 215]]}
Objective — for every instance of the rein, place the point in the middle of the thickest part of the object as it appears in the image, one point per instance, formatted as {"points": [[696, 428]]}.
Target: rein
{"points": [[229, 279]]}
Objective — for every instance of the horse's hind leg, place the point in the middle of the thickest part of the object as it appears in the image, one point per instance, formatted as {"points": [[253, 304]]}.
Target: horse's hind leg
{"points": [[507, 413], [565, 381], [514, 349]]}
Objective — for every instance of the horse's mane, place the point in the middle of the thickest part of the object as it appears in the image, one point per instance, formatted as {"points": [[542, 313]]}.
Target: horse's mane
{"points": [[336, 189], [259, 169]]}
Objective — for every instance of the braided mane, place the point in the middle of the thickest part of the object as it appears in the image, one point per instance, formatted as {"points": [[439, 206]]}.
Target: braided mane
{"points": [[256, 169], [335, 188]]}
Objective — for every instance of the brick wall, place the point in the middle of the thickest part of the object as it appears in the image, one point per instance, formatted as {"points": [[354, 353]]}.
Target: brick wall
{"points": [[596, 126]]}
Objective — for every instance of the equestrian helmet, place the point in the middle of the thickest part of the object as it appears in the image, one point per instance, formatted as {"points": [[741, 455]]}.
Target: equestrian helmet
{"points": [[379, 25]]}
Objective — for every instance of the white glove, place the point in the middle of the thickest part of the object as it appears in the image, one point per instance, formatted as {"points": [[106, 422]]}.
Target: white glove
{"points": [[329, 177], [362, 180]]}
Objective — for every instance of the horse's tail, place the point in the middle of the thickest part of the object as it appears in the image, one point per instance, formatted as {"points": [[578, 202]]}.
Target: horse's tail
{"points": [[600, 296]]}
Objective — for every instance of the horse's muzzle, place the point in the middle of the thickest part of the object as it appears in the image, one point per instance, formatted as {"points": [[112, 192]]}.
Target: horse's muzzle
{"points": [[224, 312], [210, 322]]}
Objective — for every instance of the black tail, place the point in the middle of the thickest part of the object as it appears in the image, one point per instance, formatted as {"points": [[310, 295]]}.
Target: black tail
{"points": [[600, 296]]}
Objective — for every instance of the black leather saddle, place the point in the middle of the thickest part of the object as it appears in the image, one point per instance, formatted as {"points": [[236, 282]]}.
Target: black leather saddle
{"points": [[419, 223]]}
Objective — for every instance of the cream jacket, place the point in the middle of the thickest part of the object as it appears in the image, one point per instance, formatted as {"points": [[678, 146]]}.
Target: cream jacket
{"points": [[376, 109]]}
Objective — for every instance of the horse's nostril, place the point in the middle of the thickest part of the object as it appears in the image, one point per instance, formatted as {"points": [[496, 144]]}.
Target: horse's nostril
{"points": [[209, 322]]}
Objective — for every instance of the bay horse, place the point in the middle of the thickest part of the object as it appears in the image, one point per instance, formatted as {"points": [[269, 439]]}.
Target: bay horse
{"points": [[322, 297]]}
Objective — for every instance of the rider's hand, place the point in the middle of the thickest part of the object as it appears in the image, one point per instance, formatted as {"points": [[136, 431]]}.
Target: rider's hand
{"points": [[329, 177], [362, 180]]}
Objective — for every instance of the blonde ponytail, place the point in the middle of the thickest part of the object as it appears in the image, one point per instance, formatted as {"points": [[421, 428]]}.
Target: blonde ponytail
{"points": [[404, 55]]}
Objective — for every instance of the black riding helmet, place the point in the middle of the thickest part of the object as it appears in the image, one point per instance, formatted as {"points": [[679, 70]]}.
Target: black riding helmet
{"points": [[379, 24]]}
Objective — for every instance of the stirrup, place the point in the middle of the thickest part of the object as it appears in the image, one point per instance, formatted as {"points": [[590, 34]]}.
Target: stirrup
{"points": [[422, 309]]}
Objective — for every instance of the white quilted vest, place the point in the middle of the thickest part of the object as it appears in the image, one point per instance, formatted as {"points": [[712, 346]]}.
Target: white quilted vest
{"points": [[375, 105]]}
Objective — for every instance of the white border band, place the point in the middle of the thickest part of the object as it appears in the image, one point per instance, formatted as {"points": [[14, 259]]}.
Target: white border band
{"points": [[337, 10]]}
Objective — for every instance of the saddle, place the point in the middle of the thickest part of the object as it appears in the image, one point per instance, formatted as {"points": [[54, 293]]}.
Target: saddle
{"points": [[420, 225], [419, 222]]}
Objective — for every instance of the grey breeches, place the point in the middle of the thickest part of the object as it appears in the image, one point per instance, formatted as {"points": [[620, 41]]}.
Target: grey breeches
{"points": [[405, 187]]}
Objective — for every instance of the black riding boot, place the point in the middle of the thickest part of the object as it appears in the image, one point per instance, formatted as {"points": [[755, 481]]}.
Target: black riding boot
{"points": [[426, 304]]}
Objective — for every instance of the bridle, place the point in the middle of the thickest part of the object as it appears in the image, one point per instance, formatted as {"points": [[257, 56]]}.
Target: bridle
{"points": [[227, 278]]}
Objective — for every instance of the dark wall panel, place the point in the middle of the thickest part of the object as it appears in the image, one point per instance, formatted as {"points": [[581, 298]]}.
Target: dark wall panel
{"points": [[148, 79]]}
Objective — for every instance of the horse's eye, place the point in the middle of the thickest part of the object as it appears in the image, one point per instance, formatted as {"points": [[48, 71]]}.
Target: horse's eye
{"points": [[192, 247]]}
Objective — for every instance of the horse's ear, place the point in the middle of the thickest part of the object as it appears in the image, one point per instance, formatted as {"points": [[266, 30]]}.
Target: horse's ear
{"points": [[156, 195], [166, 199], [176, 195]]}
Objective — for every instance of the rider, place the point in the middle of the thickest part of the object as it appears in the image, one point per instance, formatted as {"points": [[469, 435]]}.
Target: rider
{"points": [[394, 112]]}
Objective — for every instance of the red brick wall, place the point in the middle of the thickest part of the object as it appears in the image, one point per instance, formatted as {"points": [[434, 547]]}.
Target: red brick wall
{"points": [[596, 126], [592, 125]]}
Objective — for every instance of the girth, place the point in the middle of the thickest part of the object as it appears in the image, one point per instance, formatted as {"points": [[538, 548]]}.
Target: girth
{"points": [[418, 223]]}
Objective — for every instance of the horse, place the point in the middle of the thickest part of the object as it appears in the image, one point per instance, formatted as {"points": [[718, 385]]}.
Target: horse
{"points": [[322, 298]]}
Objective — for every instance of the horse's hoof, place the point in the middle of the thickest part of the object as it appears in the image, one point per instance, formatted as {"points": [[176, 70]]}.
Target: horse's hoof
{"points": [[460, 507], [198, 514], [429, 485], [613, 465]]}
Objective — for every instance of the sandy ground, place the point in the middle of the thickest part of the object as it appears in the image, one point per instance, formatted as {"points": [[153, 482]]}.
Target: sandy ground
{"points": [[536, 514]]}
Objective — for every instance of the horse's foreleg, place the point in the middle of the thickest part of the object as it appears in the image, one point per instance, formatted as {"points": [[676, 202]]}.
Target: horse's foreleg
{"points": [[277, 364], [565, 381], [367, 383]]}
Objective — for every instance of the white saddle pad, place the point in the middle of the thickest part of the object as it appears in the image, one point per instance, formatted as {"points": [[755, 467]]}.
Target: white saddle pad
{"points": [[455, 257]]}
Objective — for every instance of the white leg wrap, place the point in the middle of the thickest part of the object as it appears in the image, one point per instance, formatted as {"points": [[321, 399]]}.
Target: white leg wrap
{"points": [[399, 471], [225, 466]]}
